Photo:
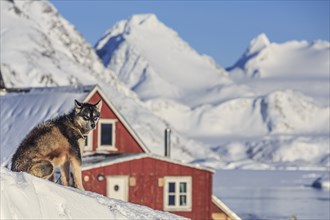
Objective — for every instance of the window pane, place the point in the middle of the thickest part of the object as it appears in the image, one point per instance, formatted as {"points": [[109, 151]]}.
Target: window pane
{"points": [[171, 187], [183, 187], [106, 134], [183, 200], [171, 200]]}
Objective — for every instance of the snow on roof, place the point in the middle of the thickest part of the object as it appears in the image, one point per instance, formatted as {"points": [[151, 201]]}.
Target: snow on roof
{"points": [[24, 196], [22, 110], [106, 160]]}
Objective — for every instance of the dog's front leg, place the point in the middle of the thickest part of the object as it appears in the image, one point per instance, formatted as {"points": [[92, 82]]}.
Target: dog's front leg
{"points": [[65, 171], [76, 169]]}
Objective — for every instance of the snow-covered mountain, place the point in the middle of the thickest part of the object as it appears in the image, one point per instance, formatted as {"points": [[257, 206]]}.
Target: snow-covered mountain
{"points": [[301, 66], [280, 112], [293, 59], [40, 48], [46, 44], [152, 60], [240, 116], [284, 127]]}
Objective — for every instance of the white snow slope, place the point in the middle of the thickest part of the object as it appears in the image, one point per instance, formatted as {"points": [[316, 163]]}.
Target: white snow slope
{"points": [[24, 196], [270, 109], [40, 48]]}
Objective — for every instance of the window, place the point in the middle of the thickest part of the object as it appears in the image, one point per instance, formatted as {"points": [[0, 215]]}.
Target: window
{"points": [[177, 193], [106, 134], [88, 143]]}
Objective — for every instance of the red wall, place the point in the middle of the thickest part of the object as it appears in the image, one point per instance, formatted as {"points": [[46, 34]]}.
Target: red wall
{"points": [[216, 209], [147, 192], [125, 142]]}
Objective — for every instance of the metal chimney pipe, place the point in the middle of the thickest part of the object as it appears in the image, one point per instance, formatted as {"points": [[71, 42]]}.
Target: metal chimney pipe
{"points": [[167, 142]]}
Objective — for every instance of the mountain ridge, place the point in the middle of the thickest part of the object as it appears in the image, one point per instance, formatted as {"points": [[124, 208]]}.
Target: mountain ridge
{"points": [[265, 59], [241, 107]]}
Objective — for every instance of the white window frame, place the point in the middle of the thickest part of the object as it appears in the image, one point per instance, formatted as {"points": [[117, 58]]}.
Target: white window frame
{"points": [[177, 180], [107, 147], [89, 146]]}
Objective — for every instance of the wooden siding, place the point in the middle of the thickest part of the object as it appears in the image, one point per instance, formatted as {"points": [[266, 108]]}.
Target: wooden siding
{"points": [[148, 174], [125, 142]]}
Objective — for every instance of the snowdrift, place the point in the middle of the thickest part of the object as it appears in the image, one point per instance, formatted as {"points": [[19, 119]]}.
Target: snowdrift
{"points": [[24, 196]]}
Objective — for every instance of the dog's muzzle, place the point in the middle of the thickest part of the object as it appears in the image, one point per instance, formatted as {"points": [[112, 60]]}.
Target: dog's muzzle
{"points": [[91, 125]]}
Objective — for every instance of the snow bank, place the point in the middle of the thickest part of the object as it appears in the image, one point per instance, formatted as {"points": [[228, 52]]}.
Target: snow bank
{"points": [[24, 196]]}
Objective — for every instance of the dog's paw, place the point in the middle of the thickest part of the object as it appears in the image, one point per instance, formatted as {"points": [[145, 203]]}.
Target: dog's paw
{"points": [[80, 187]]}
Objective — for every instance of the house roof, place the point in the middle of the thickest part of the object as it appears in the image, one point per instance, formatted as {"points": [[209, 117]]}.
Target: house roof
{"points": [[96, 161]]}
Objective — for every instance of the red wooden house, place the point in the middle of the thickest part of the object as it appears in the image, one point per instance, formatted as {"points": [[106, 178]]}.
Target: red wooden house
{"points": [[117, 164]]}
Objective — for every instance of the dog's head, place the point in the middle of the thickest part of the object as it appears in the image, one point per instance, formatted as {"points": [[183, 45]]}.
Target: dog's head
{"points": [[87, 115]]}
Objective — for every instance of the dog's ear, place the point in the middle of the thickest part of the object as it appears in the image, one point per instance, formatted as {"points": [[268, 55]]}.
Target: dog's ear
{"points": [[78, 105], [98, 105]]}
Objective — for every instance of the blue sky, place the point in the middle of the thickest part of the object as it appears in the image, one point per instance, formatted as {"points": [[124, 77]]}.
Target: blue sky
{"points": [[221, 29]]}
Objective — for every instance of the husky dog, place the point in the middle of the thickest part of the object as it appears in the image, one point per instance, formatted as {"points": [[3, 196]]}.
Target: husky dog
{"points": [[58, 142]]}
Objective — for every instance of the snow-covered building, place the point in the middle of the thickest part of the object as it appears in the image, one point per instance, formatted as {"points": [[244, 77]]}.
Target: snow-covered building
{"points": [[116, 162]]}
